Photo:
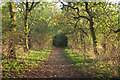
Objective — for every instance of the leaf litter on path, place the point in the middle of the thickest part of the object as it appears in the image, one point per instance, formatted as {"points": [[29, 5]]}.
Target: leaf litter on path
{"points": [[57, 66]]}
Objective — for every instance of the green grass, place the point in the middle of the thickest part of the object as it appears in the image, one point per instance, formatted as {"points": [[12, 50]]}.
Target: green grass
{"points": [[77, 59], [35, 55], [24, 62], [91, 66]]}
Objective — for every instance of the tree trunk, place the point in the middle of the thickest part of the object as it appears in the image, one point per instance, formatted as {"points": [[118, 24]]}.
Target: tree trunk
{"points": [[82, 40], [92, 29], [93, 36], [12, 31], [26, 28], [30, 45], [104, 44], [26, 41]]}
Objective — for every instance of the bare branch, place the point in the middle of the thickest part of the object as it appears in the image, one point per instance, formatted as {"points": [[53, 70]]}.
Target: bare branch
{"points": [[77, 12], [82, 17], [83, 31], [76, 24], [33, 5], [116, 30], [26, 6], [87, 10]]}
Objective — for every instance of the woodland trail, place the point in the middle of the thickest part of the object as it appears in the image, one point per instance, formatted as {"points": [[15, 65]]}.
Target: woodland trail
{"points": [[57, 66]]}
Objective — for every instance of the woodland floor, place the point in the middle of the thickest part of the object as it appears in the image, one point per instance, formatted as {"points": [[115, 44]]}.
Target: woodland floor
{"points": [[57, 66]]}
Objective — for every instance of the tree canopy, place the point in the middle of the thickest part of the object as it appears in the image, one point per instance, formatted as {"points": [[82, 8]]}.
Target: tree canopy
{"points": [[89, 28]]}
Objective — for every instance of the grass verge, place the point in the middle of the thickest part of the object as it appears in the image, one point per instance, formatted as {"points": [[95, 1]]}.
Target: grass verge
{"points": [[96, 68]]}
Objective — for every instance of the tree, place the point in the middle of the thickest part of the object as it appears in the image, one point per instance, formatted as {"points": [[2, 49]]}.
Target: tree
{"points": [[12, 29], [26, 27], [41, 25], [90, 19]]}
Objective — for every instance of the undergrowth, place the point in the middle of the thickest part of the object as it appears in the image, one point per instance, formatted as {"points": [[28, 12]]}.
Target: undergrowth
{"points": [[96, 68], [14, 67]]}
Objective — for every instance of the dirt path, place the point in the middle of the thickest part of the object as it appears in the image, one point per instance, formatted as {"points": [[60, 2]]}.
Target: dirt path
{"points": [[57, 66]]}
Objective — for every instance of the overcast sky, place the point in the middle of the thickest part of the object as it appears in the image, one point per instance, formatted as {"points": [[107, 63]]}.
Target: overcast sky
{"points": [[58, 4]]}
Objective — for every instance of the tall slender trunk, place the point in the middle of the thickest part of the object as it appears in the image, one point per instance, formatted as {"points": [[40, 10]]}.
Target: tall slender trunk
{"points": [[93, 36], [29, 44], [12, 29], [82, 40], [84, 44], [26, 28], [104, 44], [26, 31], [92, 29], [76, 41]]}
